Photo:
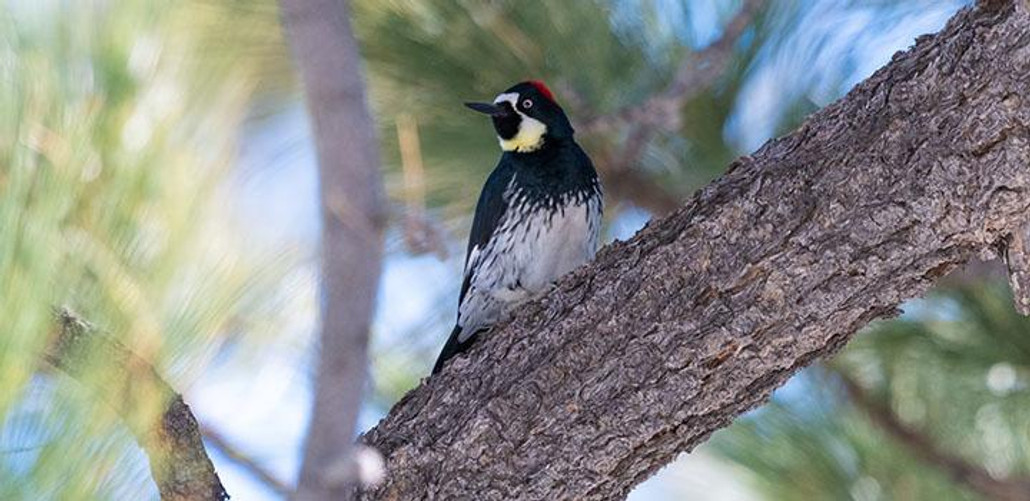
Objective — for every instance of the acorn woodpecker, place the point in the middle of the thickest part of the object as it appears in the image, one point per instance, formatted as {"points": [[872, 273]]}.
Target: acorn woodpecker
{"points": [[537, 218]]}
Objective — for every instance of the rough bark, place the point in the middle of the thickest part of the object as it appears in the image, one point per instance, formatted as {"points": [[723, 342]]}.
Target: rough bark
{"points": [[353, 217], [697, 319], [156, 415]]}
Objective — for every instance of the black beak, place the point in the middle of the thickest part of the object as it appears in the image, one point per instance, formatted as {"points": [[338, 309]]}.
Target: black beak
{"points": [[489, 109]]}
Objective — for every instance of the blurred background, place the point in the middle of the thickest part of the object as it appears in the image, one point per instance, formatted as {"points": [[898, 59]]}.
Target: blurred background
{"points": [[157, 175]]}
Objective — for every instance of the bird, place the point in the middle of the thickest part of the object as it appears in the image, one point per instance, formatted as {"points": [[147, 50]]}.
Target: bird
{"points": [[538, 216]]}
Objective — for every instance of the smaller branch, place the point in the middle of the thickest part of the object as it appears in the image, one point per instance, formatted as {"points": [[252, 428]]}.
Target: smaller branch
{"points": [[158, 418], [259, 472], [1017, 259], [696, 72], [329, 63], [702, 70], [963, 472], [635, 186], [632, 185], [421, 234]]}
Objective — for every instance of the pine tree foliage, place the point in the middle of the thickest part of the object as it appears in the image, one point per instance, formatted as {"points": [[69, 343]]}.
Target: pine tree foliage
{"points": [[954, 368], [115, 141]]}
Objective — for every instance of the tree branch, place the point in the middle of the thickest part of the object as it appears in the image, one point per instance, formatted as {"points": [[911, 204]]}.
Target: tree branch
{"points": [[218, 441], [155, 414], [634, 185], [421, 233], [961, 471], [697, 72], [353, 221], [669, 336]]}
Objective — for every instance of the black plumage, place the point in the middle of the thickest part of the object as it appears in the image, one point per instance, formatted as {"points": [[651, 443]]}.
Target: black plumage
{"points": [[538, 215]]}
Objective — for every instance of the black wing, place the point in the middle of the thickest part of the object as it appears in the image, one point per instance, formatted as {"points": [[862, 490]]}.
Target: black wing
{"points": [[452, 348], [489, 210]]}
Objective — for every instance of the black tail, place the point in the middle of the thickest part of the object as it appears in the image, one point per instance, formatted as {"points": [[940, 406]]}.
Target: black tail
{"points": [[452, 347]]}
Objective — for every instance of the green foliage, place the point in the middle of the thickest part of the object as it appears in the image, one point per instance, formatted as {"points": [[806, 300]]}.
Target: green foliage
{"points": [[425, 58], [114, 149], [820, 448], [958, 371], [955, 368]]}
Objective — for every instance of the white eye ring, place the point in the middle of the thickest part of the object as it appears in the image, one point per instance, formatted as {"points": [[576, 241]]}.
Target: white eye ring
{"points": [[527, 104]]}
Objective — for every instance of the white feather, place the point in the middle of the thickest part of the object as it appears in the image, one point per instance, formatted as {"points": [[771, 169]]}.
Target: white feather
{"points": [[525, 255]]}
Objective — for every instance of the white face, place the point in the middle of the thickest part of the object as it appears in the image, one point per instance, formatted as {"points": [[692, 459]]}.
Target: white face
{"points": [[530, 136]]}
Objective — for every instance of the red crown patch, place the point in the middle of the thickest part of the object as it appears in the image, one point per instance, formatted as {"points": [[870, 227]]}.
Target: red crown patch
{"points": [[540, 86]]}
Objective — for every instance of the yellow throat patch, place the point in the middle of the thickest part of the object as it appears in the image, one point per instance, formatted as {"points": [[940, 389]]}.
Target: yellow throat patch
{"points": [[529, 138]]}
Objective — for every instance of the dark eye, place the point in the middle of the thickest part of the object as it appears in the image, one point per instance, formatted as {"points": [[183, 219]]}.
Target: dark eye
{"points": [[527, 104]]}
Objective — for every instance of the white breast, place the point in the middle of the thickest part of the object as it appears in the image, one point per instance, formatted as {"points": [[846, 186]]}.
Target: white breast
{"points": [[524, 256], [559, 243]]}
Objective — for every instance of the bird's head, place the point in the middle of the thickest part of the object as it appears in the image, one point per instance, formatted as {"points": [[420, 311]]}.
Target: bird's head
{"points": [[526, 116]]}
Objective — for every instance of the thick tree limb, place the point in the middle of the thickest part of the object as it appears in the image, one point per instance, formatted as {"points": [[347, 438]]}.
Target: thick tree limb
{"points": [[963, 472], [669, 336], [353, 219], [155, 414]]}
